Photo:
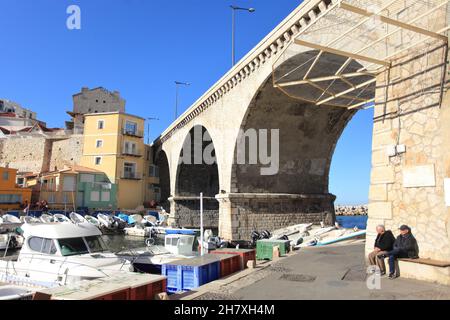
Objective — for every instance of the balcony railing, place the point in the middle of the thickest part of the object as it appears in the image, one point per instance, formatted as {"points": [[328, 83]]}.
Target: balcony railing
{"points": [[132, 153], [132, 133], [131, 175]]}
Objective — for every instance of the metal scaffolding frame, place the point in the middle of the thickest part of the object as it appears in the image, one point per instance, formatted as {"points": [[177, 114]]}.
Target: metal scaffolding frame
{"points": [[342, 70]]}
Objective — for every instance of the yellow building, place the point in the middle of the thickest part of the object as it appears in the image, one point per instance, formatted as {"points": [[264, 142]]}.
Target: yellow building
{"points": [[114, 144], [11, 197], [152, 190]]}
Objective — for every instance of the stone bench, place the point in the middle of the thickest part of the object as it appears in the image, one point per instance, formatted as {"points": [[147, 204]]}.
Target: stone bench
{"points": [[425, 270]]}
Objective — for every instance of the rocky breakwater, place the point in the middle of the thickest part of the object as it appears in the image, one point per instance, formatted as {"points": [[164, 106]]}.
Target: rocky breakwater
{"points": [[351, 210]]}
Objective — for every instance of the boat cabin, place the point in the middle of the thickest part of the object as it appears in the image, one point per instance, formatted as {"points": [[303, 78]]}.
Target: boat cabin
{"points": [[61, 240], [179, 244]]}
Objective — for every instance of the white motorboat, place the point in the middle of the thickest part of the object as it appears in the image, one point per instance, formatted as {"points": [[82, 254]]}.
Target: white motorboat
{"points": [[46, 218], [63, 253], [61, 218], [10, 241], [77, 218], [92, 220], [106, 221], [9, 219], [30, 220], [151, 258]]}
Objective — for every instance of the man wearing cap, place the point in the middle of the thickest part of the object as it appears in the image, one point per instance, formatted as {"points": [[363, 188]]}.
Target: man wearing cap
{"points": [[383, 244], [405, 246]]}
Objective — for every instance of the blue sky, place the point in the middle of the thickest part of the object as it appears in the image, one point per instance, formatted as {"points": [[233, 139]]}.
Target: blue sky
{"points": [[140, 47]]}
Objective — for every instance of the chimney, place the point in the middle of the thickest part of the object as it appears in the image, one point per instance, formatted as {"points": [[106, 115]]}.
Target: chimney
{"points": [[84, 89]]}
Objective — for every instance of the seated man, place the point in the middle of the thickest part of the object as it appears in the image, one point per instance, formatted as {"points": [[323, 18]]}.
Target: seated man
{"points": [[383, 243], [405, 246]]}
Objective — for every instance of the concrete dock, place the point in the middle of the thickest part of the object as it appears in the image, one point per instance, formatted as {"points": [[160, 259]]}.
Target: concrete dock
{"points": [[332, 272]]}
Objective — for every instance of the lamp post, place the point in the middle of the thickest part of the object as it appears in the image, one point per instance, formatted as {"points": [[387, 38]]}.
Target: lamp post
{"points": [[233, 29], [177, 85], [148, 129]]}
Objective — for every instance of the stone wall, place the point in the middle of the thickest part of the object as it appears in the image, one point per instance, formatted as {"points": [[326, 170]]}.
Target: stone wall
{"points": [[407, 181], [66, 152], [37, 153], [25, 153], [186, 213], [251, 212]]}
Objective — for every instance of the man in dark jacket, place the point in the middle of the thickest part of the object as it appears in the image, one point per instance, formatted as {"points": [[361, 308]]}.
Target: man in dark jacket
{"points": [[405, 246], [383, 243]]}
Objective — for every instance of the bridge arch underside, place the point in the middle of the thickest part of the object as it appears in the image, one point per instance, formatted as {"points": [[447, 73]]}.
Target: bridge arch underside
{"points": [[162, 162], [308, 134], [197, 172]]}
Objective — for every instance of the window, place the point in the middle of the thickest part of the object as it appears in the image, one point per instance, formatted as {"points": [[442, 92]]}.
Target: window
{"points": [[131, 127], [51, 198], [95, 196], [69, 183], [48, 247], [98, 161], [95, 244], [35, 243], [99, 143], [87, 177], [100, 124], [106, 196], [130, 148], [10, 198], [5, 175], [153, 171], [129, 170], [72, 246]]}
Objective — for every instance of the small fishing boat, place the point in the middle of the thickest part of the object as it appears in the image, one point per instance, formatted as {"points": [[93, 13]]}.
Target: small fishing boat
{"points": [[151, 258], [30, 220], [105, 221], [9, 219], [10, 241], [77, 218], [46, 218], [92, 220], [61, 218]]}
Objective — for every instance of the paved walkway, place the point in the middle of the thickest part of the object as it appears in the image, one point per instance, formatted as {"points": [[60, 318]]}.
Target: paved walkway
{"points": [[333, 272]]}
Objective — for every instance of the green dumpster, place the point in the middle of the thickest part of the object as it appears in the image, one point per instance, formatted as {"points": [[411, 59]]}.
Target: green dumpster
{"points": [[264, 248]]}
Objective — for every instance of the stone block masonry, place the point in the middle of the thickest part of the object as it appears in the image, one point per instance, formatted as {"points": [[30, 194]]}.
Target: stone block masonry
{"points": [[66, 152], [26, 153], [408, 187], [37, 153]]}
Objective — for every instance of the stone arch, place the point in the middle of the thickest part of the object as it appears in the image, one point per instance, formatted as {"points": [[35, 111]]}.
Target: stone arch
{"points": [[197, 172], [308, 135]]}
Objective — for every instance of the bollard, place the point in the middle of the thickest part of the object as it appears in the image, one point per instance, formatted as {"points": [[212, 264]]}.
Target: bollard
{"points": [[276, 253], [251, 264], [162, 296]]}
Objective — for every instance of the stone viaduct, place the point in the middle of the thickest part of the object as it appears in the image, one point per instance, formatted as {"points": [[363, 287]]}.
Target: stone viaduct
{"points": [[411, 135]]}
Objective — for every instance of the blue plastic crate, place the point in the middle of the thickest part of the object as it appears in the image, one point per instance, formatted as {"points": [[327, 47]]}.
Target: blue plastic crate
{"points": [[188, 274]]}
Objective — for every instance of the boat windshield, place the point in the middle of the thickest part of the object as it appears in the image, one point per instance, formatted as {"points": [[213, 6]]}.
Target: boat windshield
{"points": [[72, 246], [96, 244]]}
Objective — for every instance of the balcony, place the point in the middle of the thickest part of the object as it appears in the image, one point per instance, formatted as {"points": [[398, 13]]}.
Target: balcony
{"points": [[132, 153], [133, 133], [131, 175]]}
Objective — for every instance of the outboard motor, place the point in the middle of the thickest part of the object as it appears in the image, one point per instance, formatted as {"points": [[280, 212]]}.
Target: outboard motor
{"points": [[255, 236], [265, 234]]}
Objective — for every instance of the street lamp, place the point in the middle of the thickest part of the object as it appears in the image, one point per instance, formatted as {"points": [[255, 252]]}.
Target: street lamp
{"points": [[148, 129], [177, 84], [233, 29]]}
